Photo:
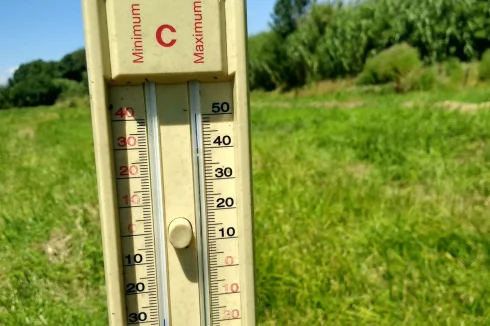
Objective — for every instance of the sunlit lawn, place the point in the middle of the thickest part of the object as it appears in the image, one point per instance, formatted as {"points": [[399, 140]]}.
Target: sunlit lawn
{"points": [[370, 210]]}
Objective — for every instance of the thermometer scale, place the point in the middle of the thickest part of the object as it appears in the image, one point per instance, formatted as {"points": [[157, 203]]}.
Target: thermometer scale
{"points": [[169, 102]]}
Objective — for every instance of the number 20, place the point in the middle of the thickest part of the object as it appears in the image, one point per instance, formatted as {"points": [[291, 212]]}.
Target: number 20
{"points": [[225, 202], [232, 314]]}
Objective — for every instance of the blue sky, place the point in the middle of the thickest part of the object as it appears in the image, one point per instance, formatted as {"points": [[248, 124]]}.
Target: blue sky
{"points": [[35, 29]]}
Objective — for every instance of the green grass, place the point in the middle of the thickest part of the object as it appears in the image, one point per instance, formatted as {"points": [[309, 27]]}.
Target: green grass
{"points": [[374, 215]]}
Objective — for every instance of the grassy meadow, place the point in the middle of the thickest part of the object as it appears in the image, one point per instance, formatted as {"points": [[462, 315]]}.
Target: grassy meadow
{"points": [[370, 209]]}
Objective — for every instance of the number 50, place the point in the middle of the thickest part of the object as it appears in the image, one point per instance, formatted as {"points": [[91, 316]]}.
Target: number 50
{"points": [[220, 107]]}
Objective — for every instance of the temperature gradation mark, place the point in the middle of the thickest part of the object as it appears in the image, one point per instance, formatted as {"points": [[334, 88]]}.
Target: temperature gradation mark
{"points": [[130, 147], [221, 202]]}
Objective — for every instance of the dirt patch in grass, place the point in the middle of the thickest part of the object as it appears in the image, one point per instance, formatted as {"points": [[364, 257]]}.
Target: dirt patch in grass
{"points": [[57, 248], [87, 209], [319, 105], [47, 116], [412, 104], [327, 87], [27, 133], [262, 104], [359, 170], [463, 106], [337, 105]]}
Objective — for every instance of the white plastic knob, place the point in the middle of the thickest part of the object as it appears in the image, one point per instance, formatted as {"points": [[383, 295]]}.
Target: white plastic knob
{"points": [[180, 233]]}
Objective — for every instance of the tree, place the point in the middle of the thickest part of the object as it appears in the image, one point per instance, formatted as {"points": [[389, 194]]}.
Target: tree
{"points": [[287, 15], [4, 97], [33, 91], [263, 61], [73, 65], [34, 68]]}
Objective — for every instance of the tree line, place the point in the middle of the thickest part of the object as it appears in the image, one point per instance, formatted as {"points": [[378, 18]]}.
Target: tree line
{"points": [[311, 41], [42, 82], [308, 41]]}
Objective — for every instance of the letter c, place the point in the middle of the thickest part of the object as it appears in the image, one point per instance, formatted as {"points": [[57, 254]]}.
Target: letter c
{"points": [[159, 36]]}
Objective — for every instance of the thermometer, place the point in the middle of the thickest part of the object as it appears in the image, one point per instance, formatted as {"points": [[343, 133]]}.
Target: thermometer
{"points": [[170, 114]]}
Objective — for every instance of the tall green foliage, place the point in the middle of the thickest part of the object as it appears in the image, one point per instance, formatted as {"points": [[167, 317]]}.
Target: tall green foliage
{"points": [[390, 65], [42, 82], [484, 66], [73, 66], [264, 62], [286, 17], [34, 68], [287, 14], [333, 39], [33, 91], [309, 41]]}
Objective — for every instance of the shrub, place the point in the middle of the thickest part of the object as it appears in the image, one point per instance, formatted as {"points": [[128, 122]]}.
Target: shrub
{"points": [[73, 65], [34, 91], [74, 102], [70, 88], [471, 73], [454, 70], [333, 38], [484, 66], [390, 65], [4, 98], [421, 79], [264, 69]]}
